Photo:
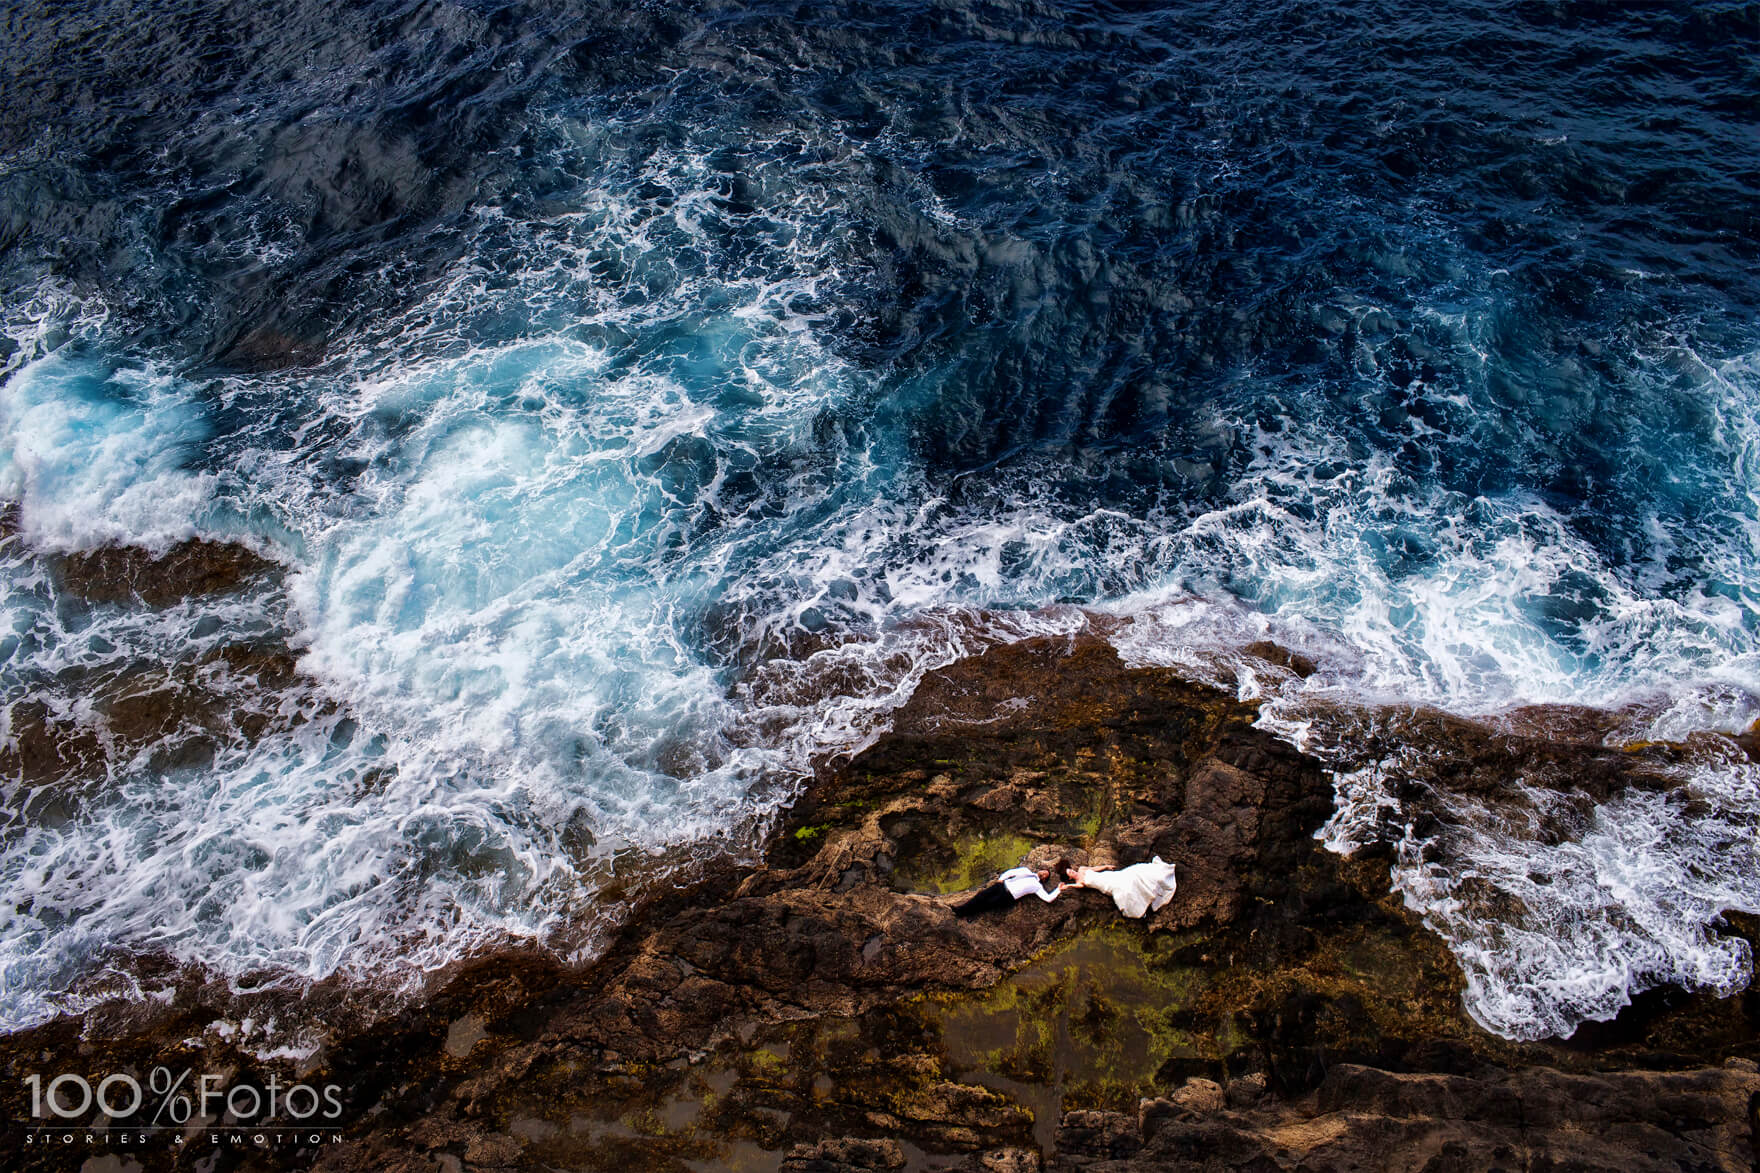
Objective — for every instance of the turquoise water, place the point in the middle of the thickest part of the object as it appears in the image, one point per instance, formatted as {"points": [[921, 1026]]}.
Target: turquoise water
{"points": [[639, 404]]}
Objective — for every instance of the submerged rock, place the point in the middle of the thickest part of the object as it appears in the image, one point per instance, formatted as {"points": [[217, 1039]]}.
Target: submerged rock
{"points": [[88, 721]]}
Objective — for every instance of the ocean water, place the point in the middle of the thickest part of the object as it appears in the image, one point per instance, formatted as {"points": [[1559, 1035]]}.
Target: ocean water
{"points": [[640, 399]]}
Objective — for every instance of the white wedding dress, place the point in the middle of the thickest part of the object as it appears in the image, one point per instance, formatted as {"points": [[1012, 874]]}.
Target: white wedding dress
{"points": [[1138, 889]]}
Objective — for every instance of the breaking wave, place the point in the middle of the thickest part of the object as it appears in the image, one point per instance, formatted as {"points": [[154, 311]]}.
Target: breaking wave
{"points": [[629, 433]]}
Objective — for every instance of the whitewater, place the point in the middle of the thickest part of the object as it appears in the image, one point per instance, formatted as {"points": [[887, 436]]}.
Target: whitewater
{"points": [[661, 465]]}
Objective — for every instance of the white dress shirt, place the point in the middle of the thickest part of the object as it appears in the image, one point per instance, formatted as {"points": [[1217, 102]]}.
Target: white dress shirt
{"points": [[1025, 882]]}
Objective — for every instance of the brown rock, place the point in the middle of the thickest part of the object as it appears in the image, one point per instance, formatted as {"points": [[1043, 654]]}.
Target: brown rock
{"points": [[1246, 1091], [122, 574], [1105, 1135], [492, 1150], [1010, 1161], [1197, 1098], [83, 725], [1363, 1118], [1273, 653], [824, 1009], [845, 1155]]}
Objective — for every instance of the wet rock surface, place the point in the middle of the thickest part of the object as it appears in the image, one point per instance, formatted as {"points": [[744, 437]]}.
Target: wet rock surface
{"points": [[80, 725], [125, 574], [825, 1011], [1365, 1118], [179, 715]]}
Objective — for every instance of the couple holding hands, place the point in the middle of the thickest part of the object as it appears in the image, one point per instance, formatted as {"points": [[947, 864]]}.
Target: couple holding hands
{"points": [[1138, 889]]}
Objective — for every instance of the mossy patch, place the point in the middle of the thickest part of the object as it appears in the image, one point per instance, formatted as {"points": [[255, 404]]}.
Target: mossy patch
{"points": [[1115, 1014], [1095, 1018], [969, 862], [769, 1062]]}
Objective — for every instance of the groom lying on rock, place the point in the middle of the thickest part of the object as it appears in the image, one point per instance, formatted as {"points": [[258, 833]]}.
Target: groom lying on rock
{"points": [[1010, 886]]}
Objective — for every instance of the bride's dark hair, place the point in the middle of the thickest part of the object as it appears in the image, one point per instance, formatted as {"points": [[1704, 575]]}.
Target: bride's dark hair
{"points": [[1063, 870]]}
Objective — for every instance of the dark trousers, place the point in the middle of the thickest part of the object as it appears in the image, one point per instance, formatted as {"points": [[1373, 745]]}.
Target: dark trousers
{"points": [[995, 896]]}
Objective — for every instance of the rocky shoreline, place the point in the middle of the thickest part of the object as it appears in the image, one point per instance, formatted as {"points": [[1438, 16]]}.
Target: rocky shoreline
{"points": [[824, 1011]]}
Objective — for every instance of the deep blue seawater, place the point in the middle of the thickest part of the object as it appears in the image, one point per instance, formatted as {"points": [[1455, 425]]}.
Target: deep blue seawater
{"points": [[641, 398]]}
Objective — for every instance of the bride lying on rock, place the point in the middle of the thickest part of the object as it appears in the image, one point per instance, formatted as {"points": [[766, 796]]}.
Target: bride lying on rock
{"points": [[1138, 889]]}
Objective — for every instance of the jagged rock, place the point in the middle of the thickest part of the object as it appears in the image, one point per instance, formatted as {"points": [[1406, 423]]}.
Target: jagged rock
{"points": [[1010, 1161], [824, 1009], [85, 724], [845, 1155], [492, 1150], [1245, 1092], [1364, 1118], [1104, 1135], [1197, 1098], [1273, 653]]}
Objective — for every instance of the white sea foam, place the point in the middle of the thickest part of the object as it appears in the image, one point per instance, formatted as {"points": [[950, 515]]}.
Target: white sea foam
{"points": [[1554, 930], [99, 454], [498, 605], [603, 585], [1549, 933]]}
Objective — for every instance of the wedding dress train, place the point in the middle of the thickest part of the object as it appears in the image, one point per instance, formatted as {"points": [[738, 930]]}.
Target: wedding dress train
{"points": [[1138, 889]]}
